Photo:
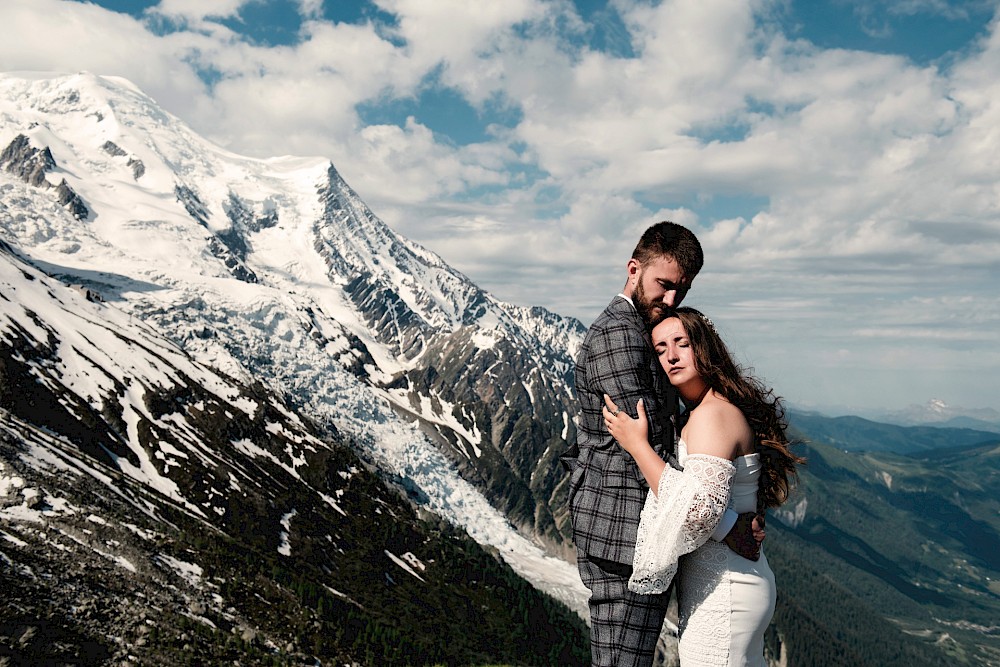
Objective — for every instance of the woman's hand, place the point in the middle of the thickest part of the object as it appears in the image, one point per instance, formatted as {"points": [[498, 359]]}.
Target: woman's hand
{"points": [[631, 434]]}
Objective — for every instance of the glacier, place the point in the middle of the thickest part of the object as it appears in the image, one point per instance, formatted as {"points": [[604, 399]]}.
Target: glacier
{"points": [[275, 271]]}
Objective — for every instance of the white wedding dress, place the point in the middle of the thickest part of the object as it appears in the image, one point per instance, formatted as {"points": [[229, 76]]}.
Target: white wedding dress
{"points": [[725, 601]]}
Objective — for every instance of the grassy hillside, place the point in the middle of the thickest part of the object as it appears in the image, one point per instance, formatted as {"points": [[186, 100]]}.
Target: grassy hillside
{"points": [[888, 559]]}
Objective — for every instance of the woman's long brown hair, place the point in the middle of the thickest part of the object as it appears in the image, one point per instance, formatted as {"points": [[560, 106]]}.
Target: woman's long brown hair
{"points": [[761, 407]]}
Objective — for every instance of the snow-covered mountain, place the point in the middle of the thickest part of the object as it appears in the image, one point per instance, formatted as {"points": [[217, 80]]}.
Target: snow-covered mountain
{"points": [[154, 510], [936, 412], [274, 274]]}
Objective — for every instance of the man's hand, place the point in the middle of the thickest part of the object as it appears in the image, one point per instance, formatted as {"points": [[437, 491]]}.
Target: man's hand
{"points": [[746, 535], [758, 528]]}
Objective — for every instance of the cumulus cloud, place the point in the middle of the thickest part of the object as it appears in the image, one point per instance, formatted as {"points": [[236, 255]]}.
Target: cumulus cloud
{"points": [[860, 182], [311, 9], [198, 10], [79, 36]]}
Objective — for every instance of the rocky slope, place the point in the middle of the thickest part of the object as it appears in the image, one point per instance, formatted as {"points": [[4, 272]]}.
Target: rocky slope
{"points": [[275, 270], [156, 511]]}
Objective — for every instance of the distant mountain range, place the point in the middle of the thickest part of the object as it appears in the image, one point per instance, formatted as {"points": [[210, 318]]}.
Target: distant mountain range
{"points": [[934, 412], [858, 434], [242, 419], [938, 413]]}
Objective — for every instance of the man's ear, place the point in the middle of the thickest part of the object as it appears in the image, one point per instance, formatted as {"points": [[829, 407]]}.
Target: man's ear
{"points": [[633, 268]]}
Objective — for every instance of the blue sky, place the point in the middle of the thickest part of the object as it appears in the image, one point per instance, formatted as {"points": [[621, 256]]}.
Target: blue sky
{"points": [[837, 158]]}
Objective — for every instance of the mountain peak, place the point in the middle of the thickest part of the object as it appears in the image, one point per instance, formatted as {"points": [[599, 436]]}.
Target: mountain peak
{"points": [[275, 269], [938, 412]]}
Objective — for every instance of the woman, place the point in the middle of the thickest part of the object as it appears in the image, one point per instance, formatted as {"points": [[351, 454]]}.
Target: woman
{"points": [[733, 452]]}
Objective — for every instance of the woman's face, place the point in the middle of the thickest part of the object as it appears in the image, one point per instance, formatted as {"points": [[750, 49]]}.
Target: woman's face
{"points": [[673, 349]]}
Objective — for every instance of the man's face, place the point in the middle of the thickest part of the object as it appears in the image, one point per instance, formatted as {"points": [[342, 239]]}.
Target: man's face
{"points": [[658, 285]]}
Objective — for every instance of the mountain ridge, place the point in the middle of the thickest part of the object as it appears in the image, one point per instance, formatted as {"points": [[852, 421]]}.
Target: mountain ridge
{"points": [[157, 511], [860, 434], [374, 301]]}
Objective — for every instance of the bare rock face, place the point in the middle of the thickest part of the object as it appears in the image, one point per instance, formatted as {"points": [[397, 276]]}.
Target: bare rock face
{"points": [[32, 164], [72, 201], [26, 162]]}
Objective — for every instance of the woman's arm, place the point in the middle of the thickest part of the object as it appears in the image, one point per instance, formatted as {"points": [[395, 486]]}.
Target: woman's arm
{"points": [[719, 433]]}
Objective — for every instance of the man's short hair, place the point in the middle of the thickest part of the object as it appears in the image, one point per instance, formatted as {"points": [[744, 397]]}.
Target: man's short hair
{"points": [[668, 239]]}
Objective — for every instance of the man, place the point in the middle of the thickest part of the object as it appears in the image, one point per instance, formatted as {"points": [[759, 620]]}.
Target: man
{"points": [[607, 490]]}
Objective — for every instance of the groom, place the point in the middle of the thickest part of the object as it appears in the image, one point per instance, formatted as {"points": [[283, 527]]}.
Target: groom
{"points": [[606, 489]]}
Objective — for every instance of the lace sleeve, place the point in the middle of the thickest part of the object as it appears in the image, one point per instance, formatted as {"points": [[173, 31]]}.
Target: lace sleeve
{"points": [[680, 519]]}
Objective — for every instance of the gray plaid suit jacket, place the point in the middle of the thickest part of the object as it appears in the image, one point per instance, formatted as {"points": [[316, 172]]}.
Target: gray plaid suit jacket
{"points": [[606, 489]]}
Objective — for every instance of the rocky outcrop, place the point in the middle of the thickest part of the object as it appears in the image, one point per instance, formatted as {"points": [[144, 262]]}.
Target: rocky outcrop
{"points": [[72, 201], [135, 164], [229, 246], [32, 164], [113, 149], [28, 163], [490, 382]]}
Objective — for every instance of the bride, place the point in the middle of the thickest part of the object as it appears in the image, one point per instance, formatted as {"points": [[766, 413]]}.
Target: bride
{"points": [[733, 452]]}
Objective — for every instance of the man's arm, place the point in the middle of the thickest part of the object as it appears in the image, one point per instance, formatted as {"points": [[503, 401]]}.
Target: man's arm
{"points": [[726, 524], [746, 535], [619, 366]]}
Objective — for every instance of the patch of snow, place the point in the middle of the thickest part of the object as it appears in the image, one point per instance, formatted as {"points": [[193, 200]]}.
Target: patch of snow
{"points": [[403, 564], [484, 339], [285, 548], [189, 572], [332, 503], [141, 532], [9, 484], [13, 540]]}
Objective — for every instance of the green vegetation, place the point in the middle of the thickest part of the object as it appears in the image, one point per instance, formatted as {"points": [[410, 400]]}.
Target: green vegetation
{"points": [[892, 560], [302, 560]]}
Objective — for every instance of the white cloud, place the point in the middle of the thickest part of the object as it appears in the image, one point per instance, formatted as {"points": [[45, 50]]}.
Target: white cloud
{"points": [[423, 169], [457, 34], [864, 181], [197, 10], [311, 9]]}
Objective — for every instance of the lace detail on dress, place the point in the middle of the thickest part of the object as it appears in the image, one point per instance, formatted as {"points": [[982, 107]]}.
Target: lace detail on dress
{"points": [[680, 519], [706, 607]]}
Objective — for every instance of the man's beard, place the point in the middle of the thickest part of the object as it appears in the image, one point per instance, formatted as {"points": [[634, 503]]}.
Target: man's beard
{"points": [[647, 309]]}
